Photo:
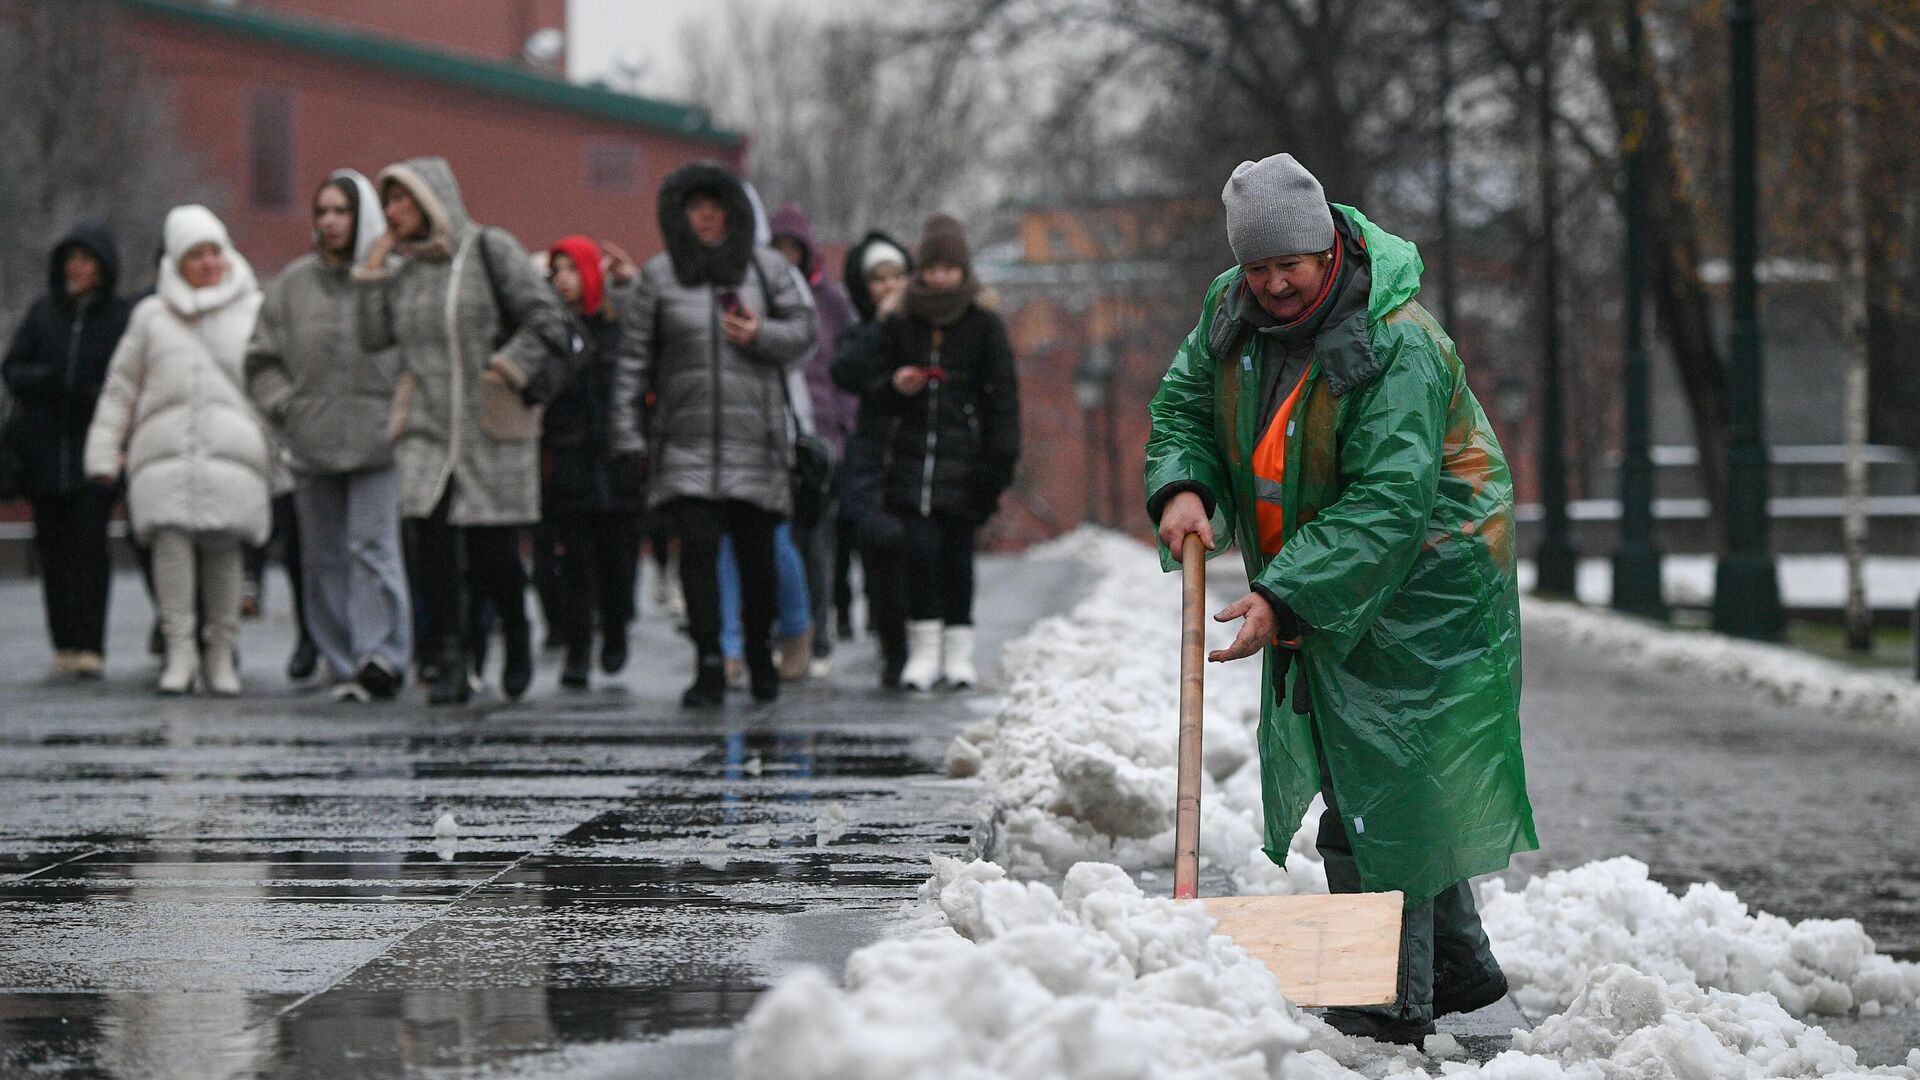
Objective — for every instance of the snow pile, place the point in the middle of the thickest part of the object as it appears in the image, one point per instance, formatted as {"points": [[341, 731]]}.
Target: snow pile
{"points": [[1550, 934], [1788, 676], [1096, 982], [1626, 1023], [1080, 761], [1099, 981]]}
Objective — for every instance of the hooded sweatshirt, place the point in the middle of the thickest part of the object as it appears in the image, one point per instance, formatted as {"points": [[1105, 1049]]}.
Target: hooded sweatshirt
{"points": [[197, 458], [833, 408], [329, 399], [443, 302], [57, 362]]}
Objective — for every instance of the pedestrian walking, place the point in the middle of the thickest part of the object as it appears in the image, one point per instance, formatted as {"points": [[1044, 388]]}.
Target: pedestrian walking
{"points": [[175, 418], [593, 520], [939, 373], [481, 343], [876, 270], [330, 401], [716, 325], [54, 369], [832, 411], [1319, 417]]}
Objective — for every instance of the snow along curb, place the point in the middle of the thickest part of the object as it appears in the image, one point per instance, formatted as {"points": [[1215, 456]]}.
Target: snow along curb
{"points": [[1784, 675]]}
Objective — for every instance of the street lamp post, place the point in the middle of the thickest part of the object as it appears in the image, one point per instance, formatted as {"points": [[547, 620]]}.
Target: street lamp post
{"points": [[1746, 586], [1636, 559], [1555, 558], [1089, 391]]}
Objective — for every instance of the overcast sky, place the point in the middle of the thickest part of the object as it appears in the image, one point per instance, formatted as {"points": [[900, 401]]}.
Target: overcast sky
{"points": [[603, 33]]}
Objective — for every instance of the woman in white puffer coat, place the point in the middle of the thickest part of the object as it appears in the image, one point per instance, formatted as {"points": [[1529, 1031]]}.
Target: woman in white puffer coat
{"points": [[174, 415]]}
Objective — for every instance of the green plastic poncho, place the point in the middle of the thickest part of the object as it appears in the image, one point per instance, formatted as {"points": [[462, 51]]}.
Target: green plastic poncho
{"points": [[1399, 552]]}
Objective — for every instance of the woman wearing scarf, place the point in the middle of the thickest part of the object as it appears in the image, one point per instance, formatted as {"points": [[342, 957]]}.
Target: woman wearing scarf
{"points": [[330, 401], [176, 419], [937, 376]]}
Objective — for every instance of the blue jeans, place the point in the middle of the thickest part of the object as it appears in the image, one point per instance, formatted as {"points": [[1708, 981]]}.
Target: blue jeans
{"points": [[795, 612]]}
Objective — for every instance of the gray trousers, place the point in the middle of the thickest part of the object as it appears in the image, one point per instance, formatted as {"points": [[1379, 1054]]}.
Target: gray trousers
{"points": [[355, 577], [206, 565]]}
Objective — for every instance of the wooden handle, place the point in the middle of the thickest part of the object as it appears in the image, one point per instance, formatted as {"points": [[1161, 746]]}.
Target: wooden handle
{"points": [[1193, 660]]}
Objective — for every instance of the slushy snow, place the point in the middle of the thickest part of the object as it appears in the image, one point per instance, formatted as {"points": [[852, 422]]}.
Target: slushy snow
{"points": [[1096, 979]]}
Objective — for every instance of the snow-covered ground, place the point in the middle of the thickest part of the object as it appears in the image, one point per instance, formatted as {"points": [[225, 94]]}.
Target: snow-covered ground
{"points": [[1806, 581], [1005, 976]]}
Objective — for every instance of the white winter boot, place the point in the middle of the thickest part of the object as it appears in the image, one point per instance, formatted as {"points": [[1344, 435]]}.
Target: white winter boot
{"points": [[217, 667], [956, 657], [923, 655], [182, 663]]}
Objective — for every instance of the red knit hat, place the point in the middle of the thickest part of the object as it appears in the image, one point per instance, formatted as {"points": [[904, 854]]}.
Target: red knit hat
{"points": [[586, 257]]}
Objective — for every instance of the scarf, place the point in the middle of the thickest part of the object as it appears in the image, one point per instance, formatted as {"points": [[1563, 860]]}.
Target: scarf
{"points": [[941, 307]]}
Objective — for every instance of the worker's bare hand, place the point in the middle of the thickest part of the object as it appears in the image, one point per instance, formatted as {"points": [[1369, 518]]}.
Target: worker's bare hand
{"points": [[1183, 514], [1256, 632]]}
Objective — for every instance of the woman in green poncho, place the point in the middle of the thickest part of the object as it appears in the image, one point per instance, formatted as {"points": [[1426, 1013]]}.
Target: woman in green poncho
{"points": [[1320, 419]]}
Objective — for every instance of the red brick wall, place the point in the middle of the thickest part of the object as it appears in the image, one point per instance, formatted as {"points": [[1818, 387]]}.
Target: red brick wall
{"points": [[520, 166], [496, 29]]}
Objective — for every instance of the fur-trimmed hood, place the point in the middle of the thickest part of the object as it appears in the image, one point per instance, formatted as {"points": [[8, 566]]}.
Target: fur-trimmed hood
{"points": [[694, 263], [430, 181]]}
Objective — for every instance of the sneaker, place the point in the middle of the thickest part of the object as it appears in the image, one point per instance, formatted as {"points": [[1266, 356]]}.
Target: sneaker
{"points": [[349, 690], [820, 667], [63, 661], [380, 682], [88, 664]]}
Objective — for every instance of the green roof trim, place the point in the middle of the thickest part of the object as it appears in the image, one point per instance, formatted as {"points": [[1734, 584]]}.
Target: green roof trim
{"points": [[488, 76]]}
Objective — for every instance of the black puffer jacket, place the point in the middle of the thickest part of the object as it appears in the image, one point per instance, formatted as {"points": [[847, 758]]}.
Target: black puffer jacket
{"points": [[576, 437], [951, 448], [58, 363]]}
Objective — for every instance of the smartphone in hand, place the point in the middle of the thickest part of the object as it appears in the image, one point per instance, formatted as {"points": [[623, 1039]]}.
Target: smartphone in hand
{"points": [[730, 303]]}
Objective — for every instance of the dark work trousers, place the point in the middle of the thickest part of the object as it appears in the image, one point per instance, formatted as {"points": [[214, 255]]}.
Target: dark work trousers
{"points": [[1441, 942], [939, 569], [70, 541], [453, 560], [701, 523], [598, 557], [285, 536]]}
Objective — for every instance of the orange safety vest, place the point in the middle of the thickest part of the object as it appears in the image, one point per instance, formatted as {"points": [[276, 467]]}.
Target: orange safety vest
{"points": [[1270, 472]]}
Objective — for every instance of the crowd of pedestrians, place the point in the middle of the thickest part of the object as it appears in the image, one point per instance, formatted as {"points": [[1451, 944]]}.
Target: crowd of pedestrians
{"points": [[418, 410]]}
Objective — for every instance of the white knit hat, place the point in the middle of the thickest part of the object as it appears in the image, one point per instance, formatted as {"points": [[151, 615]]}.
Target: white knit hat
{"points": [[879, 253]]}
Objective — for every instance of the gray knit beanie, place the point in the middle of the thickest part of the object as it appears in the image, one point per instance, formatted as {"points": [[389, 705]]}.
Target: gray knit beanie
{"points": [[1276, 207]]}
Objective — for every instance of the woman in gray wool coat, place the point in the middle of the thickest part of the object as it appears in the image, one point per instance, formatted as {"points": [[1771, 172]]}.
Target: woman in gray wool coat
{"points": [[716, 325], [481, 341]]}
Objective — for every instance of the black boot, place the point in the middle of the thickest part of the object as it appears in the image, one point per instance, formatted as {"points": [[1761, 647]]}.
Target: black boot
{"points": [[517, 673], [1368, 1024], [574, 675], [1449, 999], [304, 661], [764, 681], [450, 686], [709, 689], [893, 659], [613, 649]]}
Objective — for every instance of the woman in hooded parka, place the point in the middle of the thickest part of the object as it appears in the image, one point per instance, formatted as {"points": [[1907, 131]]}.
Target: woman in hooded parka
{"points": [[716, 324], [481, 342], [175, 417], [329, 400], [54, 369]]}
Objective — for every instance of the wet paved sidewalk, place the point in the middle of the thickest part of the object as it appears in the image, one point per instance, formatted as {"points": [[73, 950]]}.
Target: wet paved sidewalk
{"points": [[194, 888]]}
